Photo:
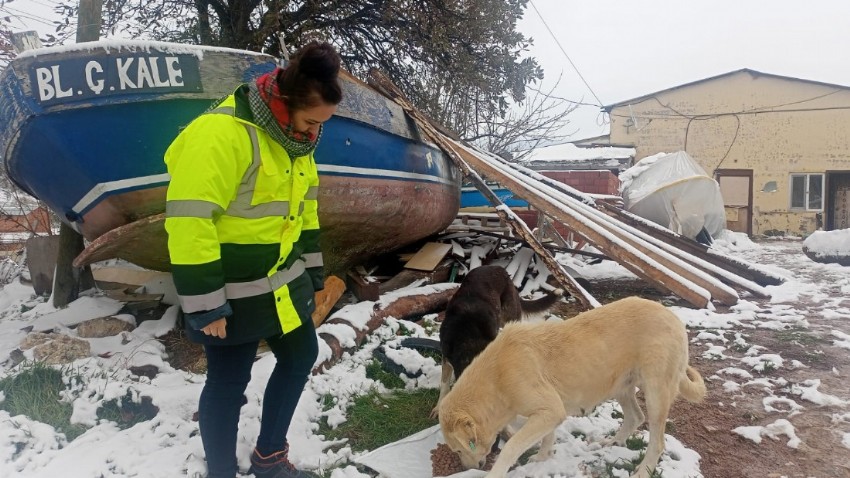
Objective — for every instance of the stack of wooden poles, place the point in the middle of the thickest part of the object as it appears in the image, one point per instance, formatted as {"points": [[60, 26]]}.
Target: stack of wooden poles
{"points": [[668, 261]]}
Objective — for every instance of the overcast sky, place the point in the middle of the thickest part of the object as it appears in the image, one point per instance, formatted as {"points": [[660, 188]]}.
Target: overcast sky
{"points": [[628, 48]]}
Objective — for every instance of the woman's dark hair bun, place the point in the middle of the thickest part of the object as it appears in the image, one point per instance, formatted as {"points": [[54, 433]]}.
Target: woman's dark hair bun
{"points": [[319, 61], [312, 77]]}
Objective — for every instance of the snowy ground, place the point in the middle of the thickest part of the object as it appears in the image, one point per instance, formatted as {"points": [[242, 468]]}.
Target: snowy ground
{"points": [[169, 444]]}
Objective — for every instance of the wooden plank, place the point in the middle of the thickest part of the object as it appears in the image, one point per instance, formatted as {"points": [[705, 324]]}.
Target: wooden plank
{"points": [[24, 41], [733, 265], [126, 276], [429, 256], [42, 252], [326, 298]]}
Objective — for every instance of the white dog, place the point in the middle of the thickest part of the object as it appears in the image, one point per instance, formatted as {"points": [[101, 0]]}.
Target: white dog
{"points": [[551, 370]]}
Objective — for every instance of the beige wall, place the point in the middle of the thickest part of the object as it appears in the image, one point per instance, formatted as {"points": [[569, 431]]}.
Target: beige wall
{"points": [[735, 122]]}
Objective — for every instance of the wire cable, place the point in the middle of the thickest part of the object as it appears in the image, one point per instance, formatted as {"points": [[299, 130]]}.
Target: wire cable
{"points": [[565, 54]]}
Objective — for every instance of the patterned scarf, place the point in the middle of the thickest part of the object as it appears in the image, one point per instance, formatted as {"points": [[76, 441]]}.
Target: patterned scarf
{"points": [[270, 113]]}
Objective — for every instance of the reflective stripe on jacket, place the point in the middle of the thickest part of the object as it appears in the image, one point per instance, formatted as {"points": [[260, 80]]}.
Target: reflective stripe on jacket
{"points": [[243, 225]]}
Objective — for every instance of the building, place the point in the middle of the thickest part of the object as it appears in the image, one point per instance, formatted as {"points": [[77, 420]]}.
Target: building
{"points": [[778, 146]]}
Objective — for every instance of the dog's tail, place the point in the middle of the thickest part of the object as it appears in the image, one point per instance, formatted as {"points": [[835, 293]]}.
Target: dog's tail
{"points": [[692, 386], [542, 304]]}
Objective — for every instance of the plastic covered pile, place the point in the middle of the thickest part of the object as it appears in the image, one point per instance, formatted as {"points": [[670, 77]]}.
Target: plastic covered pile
{"points": [[674, 191]]}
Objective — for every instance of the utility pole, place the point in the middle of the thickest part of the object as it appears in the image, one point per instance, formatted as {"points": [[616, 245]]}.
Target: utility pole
{"points": [[89, 20], [69, 280]]}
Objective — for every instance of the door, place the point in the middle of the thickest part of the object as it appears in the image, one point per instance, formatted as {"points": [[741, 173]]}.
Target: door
{"points": [[838, 201], [736, 187]]}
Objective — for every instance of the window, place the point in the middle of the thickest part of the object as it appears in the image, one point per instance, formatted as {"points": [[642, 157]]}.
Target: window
{"points": [[807, 192]]}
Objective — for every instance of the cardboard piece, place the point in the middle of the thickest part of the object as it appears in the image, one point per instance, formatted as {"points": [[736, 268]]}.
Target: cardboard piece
{"points": [[429, 256]]}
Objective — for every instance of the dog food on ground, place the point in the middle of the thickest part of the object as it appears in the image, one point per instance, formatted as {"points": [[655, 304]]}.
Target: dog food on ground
{"points": [[445, 462]]}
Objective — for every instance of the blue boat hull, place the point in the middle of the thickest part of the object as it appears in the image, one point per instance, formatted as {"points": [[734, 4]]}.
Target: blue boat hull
{"points": [[96, 160], [472, 197]]}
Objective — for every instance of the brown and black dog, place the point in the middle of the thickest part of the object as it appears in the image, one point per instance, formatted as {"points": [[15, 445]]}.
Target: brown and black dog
{"points": [[485, 301]]}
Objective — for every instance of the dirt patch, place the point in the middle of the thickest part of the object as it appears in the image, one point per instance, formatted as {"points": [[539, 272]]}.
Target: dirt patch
{"points": [[707, 427]]}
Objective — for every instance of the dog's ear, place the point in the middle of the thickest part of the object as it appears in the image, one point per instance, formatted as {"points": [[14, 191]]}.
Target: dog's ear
{"points": [[461, 423], [470, 431]]}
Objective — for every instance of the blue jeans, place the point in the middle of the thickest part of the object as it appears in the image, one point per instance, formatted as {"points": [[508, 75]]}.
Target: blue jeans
{"points": [[228, 374]]}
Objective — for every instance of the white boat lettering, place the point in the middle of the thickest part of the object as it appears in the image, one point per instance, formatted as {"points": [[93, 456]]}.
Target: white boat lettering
{"points": [[144, 75], [49, 86], [147, 72], [175, 75], [122, 72], [95, 85], [81, 79]]}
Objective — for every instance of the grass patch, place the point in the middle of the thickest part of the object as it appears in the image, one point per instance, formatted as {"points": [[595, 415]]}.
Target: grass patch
{"points": [[629, 466], [375, 420], [376, 372], [436, 355], [635, 443], [125, 412], [34, 393], [799, 336]]}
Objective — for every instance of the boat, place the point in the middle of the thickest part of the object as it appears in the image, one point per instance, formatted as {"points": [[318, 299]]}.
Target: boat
{"points": [[471, 197], [85, 128]]}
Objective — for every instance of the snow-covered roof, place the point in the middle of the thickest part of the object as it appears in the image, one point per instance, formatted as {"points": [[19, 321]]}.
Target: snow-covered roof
{"points": [[754, 73], [571, 152]]}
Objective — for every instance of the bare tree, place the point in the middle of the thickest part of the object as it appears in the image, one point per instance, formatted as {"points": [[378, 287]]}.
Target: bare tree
{"points": [[542, 118]]}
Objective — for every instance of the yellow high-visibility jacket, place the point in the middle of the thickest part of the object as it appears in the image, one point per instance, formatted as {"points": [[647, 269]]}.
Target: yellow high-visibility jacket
{"points": [[243, 227]]}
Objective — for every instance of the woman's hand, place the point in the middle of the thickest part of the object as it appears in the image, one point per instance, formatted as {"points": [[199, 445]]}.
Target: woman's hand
{"points": [[217, 328]]}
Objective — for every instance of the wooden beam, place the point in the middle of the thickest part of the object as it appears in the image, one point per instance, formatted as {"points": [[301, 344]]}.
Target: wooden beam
{"points": [[730, 264]]}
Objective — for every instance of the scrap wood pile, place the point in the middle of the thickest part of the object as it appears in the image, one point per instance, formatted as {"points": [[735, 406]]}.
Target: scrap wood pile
{"points": [[660, 257]]}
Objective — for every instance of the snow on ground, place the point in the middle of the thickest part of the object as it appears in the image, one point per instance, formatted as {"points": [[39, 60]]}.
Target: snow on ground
{"points": [[169, 444]]}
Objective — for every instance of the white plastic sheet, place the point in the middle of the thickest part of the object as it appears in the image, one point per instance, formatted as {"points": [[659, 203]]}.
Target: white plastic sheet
{"points": [[410, 457], [674, 191]]}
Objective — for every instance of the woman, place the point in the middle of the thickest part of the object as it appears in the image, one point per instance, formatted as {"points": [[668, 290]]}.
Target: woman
{"points": [[243, 232]]}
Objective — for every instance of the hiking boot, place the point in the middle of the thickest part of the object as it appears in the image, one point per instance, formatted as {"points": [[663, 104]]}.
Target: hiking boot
{"points": [[276, 465]]}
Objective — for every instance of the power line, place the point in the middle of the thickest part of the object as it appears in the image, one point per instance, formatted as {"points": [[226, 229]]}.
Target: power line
{"points": [[18, 14], [565, 54]]}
